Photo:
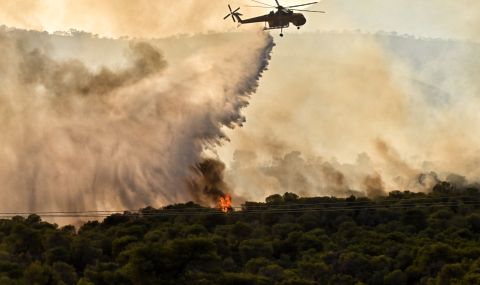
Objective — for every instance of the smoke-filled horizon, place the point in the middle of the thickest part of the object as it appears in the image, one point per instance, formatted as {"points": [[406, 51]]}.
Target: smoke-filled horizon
{"points": [[77, 136], [363, 114]]}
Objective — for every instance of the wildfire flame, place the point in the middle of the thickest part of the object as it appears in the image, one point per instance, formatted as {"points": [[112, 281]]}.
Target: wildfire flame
{"points": [[225, 203]]}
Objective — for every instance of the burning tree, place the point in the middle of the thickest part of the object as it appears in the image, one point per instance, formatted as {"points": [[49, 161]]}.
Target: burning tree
{"points": [[225, 203]]}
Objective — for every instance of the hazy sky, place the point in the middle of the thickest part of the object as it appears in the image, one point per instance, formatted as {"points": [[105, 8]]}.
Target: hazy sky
{"points": [[439, 18], [146, 18]]}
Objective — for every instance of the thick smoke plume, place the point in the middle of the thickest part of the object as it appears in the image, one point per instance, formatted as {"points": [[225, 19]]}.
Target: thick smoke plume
{"points": [[360, 113], [79, 137], [209, 184]]}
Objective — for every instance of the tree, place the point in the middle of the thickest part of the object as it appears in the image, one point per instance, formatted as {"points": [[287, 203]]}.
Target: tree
{"points": [[290, 197], [119, 244], [354, 264], [65, 273], [253, 248], [432, 257], [241, 230], [84, 253], [396, 277], [274, 199], [450, 274], [254, 265], [416, 218], [473, 221], [38, 274], [273, 272]]}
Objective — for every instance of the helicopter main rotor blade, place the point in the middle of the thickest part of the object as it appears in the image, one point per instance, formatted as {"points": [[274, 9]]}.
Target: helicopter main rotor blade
{"points": [[307, 11], [258, 6], [264, 4], [300, 5], [278, 4]]}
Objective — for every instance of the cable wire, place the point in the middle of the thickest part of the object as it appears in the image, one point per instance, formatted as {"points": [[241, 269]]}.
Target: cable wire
{"points": [[213, 211], [250, 206]]}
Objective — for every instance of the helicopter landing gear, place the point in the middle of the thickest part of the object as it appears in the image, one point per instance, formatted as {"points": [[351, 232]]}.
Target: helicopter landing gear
{"points": [[281, 35], [298, 28], [281, 32]]}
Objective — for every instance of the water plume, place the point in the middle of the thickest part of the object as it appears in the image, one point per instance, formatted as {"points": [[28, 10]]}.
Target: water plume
{"points": [[78, 137]]}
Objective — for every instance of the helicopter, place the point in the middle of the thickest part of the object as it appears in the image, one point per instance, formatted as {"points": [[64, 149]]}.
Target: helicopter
{"points": [[279, 19]]}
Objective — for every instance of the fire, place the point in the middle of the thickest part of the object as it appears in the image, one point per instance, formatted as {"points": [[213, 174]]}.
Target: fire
{"points": [[225, 203]]}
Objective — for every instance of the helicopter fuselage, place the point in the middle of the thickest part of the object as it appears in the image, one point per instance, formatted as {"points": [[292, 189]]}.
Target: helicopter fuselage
{"points": [[284, 18]]}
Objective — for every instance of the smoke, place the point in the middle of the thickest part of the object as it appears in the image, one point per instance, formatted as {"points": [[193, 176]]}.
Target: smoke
{"points": [[209, 184], [79, 137], [253, 178], [72, 77], [374, 186], [366, 113]]}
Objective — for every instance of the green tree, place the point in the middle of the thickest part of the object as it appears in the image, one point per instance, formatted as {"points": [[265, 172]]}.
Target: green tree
{"points": [[255, 248], [38, 274], [450, 274], [396, 277]]}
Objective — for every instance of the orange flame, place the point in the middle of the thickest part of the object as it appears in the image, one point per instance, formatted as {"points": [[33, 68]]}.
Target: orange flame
{"points": [[225, 203]]}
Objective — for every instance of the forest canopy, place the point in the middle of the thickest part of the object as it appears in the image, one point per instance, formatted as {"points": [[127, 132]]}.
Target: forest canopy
{"points": [[403, 238]]}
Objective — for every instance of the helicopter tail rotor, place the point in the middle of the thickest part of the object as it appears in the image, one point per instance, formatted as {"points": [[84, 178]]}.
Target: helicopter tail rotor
{"points": [[234, 14]]}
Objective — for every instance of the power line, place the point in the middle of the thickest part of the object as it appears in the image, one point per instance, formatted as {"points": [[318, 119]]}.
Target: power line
{"points": [[210, 211], [254, 206]]}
